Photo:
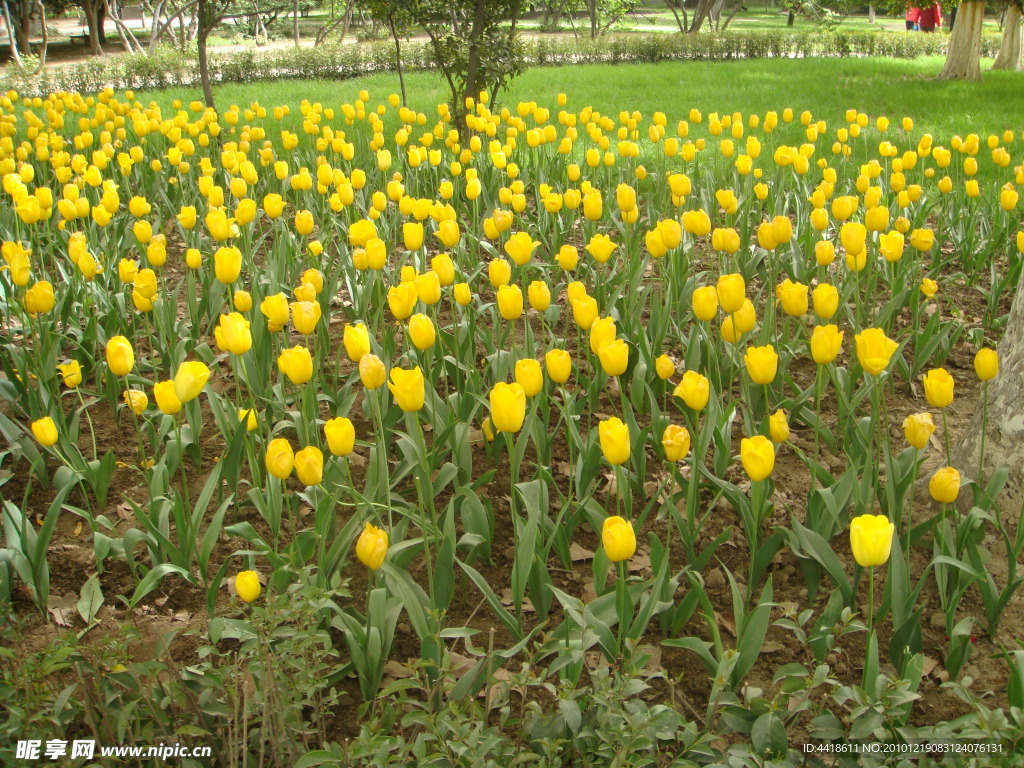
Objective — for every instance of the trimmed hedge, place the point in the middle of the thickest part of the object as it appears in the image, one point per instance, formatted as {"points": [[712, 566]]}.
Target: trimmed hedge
{"points": [[168, 67]]}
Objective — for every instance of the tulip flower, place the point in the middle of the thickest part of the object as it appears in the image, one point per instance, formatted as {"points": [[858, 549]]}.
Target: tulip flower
{"points": [[601, 248], [793, 297], [676, 442], [371, 371], [248, 417], [826, 300], [758, 456], [408, 388], [296, 363], [309, 465], [227, 264], [705, 303], [357, 342], [275, 309], [584, 312], [614, 439], [762, 364], [233, 334], [520, 247], [120, 356], [731, 293], [826, 342], [778, 426], [190, 379], [664, 367], [871, 539], [402, 300], [247, 586], [558, 364], [510, 302], [428, 288], [614, 357], [372, 547], [944, 485], [539, 295], [874, 350], [71, 373], [39, 299], [986, 364], [304, 224], [618, 539], [421, 331], [341, 436], [929, 287], [499, 272], [568, 257], [938, 388], [918, 428], [602, 330], [443, 266], [694, 389], [45, 431], [412, 235], [922, 239], [508, 406], [136, 400], [166, 398]]}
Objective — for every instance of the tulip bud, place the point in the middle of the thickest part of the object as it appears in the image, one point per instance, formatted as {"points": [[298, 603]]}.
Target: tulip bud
{"points": [[408, 388], [45, 431], [762, 364], [676, 442], [986, 364], [694, 389], [664, 367], [372, 547], [120, 356], [614, 439], [371, 371], [166, 398], [871, 539], [758, 456], [874, 350], [247, 586], [190, 380], [309, 465], [918, 428], [618, 539], [778, 426], [508, 406], [136, 400], [341, 436], [944, 485], [938, 388], [558, 363]]}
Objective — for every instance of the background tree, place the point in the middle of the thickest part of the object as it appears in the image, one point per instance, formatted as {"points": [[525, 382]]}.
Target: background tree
{"points": [[398, 18], [963, 60], [1010, 50], [1004, 436]]}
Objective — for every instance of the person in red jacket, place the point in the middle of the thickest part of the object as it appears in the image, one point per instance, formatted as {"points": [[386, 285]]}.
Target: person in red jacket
{"points": [[931, 18], [913, 17]]}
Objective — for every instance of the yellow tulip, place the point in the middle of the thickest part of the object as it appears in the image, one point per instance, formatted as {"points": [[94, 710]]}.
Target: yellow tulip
{"points": [[190, 379], [705, 303], [520, 247], [871, 539], [120, 356], [499, 272], [558, 363], [539, 295], [793, 297], [371, 371], [341, 436], [529, 376], [166, 398], [944, 485], [853, 236], [778, 426], [762, 363], [233, 334], [614, 357], [227, 263], [408, 388], [874, 350], [275, 309], [601, 248], [664, 367], [922, 239], [296, 363], [412, 235], [402, 300], [918, 428], [136, 400], [247, 586], [676, 442], [602, 331], [45, 431], [826, 300], [248, 417], [508, 406], [510, 301], [929, 287], [891, 246], [421, 331], [938, 388], [372, 547], [463, 294], [584, 312], [357, 341], [826, 343], [694, 389], [731, 291], [39, 299], [986, 364], [309, 465], [614, 439], [71, 373], [618, 538], [568, 257], [758, 456], [304, 226]]}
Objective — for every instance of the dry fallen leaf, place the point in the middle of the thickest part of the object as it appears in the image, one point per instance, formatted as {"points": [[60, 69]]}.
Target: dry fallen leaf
{"points": [[578, 553], [62, 609]]}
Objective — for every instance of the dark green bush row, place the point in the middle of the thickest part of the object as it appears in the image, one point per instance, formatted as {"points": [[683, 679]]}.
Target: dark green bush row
{"points": [[169, 67]]}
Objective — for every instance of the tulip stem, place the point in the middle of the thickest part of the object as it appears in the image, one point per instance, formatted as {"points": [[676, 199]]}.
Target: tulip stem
{"points": [[622, 607], [382, 445], [945, 434], [984, 428], [817, 429], [871, 599], [181, 466], [910, 504], [88, 418]]}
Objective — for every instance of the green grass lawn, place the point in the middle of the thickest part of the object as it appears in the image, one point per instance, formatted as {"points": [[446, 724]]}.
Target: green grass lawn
{"points": [[826, 87]]}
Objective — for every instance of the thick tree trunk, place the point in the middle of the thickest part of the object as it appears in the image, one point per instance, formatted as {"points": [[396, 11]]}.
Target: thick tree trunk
{"points": [[1004, 435], [205, 27], [592, 10], [15, 50], [1010, 49], [398, 56], [680, 21], [295, 20], [94, 19], [871, 14], [963, 62]]}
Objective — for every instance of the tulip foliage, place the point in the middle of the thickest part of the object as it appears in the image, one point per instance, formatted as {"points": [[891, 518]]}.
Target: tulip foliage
{"points": [[579, 348]]}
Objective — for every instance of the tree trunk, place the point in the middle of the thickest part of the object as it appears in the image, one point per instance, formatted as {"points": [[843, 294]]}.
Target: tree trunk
{"points": [[701, 12], [963, 62], [680, 22], [15, 52], [1010, 49], [472, 89], [295, 21], [871, 14], [592, 10], [24, 29], [205, 26], [398, 56], [45, 35], [791, 18], [94, 18], [1004, 435]]}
